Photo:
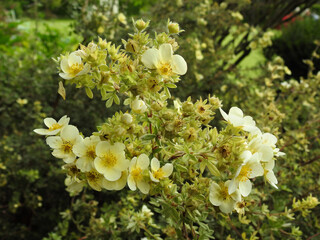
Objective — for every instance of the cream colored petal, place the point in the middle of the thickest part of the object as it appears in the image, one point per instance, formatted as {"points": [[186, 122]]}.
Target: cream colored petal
{"points": [[224, 114], [269, 139], [102, 148], [269, 165], [43, 131], [54, 142], [245, 155], [69, 133], [245, 187], [85, 164], [58, 153], [122, 182], [232, 186], [112, 174], [150, 58], [167, 169], [98, 165], [271, 178], [257, 170], [69, 158], [119, 147], [227, 206], [49, 122], [131, 183], [73, 58], [143, 161], [143, 186], [80, 149], [267, 153], [95, 185], [153, 178], [214, 195], [235, 111], [133, 163], [155, 164], [122, 164], [64, 65], [66, 76], [179, 65], [64, 120], [165, 52], [236, 196]]}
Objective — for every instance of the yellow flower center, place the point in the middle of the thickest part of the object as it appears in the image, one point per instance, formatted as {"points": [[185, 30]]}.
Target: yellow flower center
{"points": [[91, 152], [244, 173], [224, 193], [159, 174], [55, 126], [93, 176], [67, 147], [136, 173], [75, 68], [109, 160], [165, 69]]}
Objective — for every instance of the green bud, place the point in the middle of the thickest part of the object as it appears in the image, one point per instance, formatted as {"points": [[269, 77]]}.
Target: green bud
{"points": [[173, 28], [141, 25]]}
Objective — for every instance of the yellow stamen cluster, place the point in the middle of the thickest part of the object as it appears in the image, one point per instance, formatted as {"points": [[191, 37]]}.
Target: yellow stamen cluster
{"points": [[55, 126], [165, 69], [109, 160], [76, 68], [244, 173]]}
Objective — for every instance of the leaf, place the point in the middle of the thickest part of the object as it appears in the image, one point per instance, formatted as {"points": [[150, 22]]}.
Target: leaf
{"points": [[109, 102], [171, 85], [89, 93], [62, 90], [213, 169], [148, 137], [116, 99]]}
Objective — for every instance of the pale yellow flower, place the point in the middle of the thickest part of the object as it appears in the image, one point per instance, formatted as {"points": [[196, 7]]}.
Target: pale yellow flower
{"points": [[158, 173], [54, 127], [164, 61], [110, 160], [86, 151], [138, 170], [219, 196], [251, 168], [62, 145], [72, 66]]}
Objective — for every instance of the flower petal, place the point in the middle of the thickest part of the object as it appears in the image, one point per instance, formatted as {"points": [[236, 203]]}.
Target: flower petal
{"points": [[155, 164], [73, 58], [227, 206], [165, 52], [179, 65], [102, 148], [143, 186], [69, 133], [85, 70], [167, 169], [112, 174], [224, 114], [54, 142], [131, 183], [245, 187], [49, 122], [66, 76], [143, 161], [85, 164], [150, 58], [64, 65], [215, 196]]}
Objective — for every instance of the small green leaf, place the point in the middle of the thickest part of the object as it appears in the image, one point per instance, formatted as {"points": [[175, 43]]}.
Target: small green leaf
{"points": [[213, 169], [148, 137], [116, 99], [109, 102], [89, 93], [171, 85]]}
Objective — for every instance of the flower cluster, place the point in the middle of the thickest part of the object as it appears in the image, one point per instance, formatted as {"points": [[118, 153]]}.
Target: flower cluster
{"points": [[101, 164], [157, 138]]}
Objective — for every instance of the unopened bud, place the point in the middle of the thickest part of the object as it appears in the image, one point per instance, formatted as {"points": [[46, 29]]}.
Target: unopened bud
{"points": [[126, 118], [141, 25], [173, 28]]}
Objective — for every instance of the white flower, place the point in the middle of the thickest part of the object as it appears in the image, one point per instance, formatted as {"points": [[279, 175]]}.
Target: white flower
{"points": [[219, 196], [62, 145], [251, 168], [86, 151], [54, 127], [236, 118], [110, 160], [118, 184], [164, 61], [72, 66], [158, 173], [139, 106], [138, 170]]}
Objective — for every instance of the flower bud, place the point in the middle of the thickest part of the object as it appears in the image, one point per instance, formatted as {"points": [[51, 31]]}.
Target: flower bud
{"points": [[139, 106], [141, 25], [102, 43], [173, 28], [126, 118]]}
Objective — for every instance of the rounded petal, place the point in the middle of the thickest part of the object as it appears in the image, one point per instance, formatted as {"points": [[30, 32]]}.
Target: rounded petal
{"points": [[179, 65], [269, 165], [235, 111], [73, 58], [269, 139], [214, 195], [84, 164], [54, 142], [155, 164], [69, 158], [131, 183], [143, 161], [165, 52], [112, 174], [236, 196], [150, 58], [257, 170], [167, 169], [64, 65], [79, 149], [69, 133], [227, 206], [267, 153], [224, 114], [143, 186], [102, 148], [43, 131], [122, 164], [245, 187], [66, 76], [153, 179], [49, 122], [232, 186], [245, 155], [271, 178], [132, 163], [64, 120]]}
